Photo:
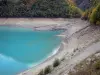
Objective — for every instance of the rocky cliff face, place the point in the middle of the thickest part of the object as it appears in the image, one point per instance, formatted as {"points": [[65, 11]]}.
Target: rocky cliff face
{"points": [[83, 4]]}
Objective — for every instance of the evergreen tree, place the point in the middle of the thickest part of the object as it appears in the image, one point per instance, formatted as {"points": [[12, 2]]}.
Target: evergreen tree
{"points": [[53, 8], [39, 8]]}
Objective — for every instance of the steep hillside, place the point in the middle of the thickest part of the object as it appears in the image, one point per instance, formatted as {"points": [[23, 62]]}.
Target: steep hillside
{"points": [[92, 13], [28, 3], [39, 8]]}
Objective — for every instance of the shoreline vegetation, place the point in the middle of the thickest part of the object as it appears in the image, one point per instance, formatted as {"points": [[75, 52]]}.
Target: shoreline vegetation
{"points": [[92, 13]]}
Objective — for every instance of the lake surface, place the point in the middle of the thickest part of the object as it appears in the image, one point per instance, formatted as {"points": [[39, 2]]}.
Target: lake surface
{"points": [[22, 48]]}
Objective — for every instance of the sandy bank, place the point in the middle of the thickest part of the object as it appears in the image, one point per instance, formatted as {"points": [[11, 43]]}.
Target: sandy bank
{"points": [[70, 25], [79, 41], [36, 23], [80, 45], [39, 23]]}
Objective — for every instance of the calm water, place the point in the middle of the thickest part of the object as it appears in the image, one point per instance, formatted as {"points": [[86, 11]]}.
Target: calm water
{"points": [[22, 48]]}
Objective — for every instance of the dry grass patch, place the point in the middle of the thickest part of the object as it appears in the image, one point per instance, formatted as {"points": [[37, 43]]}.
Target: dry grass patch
{"points": [[87, 67]]}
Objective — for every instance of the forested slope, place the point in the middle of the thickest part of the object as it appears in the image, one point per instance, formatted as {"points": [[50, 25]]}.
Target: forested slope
{"points": [[38, 8]]}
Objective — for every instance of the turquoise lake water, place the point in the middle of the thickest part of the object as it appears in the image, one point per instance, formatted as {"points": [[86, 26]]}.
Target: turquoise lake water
{"points": [[22, 48]]}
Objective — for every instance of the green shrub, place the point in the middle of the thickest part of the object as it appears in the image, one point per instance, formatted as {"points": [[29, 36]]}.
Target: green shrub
{"points": [[97, 65], [63, 59], [95, 16], [47, 70], [75, 12], [86, 14], [56, 63]]}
